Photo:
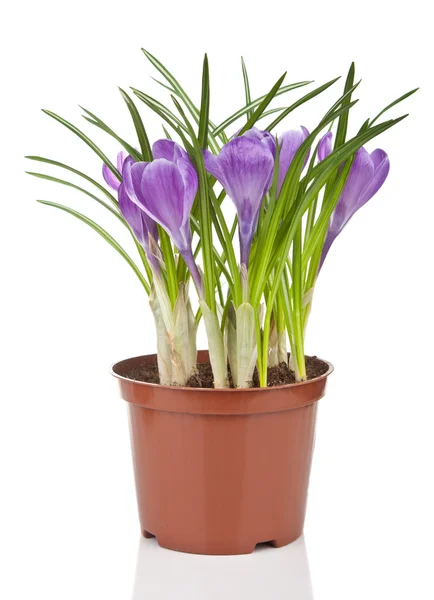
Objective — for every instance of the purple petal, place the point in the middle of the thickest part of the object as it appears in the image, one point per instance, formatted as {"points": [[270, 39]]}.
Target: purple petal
{"points": [[189, 177], [141, 224], [120, 159], [109, 177], [133, 216], [244, 168], [290, 141], [381, 164], [325, 146], [362, 171], [132, 177], [265, 137], [214, 167], [169, 150]]}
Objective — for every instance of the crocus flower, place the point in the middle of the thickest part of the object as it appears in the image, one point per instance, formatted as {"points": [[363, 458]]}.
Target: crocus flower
{"points": [[244, 167], [289, 143], [367, 175], [141, 224], [165, 189]]}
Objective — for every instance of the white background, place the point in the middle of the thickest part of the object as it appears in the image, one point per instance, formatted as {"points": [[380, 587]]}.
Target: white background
{"points": [[71, 307]]}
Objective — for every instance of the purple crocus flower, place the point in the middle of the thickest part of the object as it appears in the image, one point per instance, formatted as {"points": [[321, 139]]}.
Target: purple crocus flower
{"points": [[367, 175], [289, 143], [141, 224], [165, 189], [244, 167]]}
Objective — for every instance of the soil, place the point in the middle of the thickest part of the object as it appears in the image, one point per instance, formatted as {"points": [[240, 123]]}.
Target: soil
{"points": [[279, 375]]}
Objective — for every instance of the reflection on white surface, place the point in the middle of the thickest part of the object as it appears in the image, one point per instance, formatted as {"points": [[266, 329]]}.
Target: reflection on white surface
{"points": [[271, 573]]}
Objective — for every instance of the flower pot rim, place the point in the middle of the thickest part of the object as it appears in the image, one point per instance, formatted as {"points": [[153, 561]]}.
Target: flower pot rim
{"points": [[211, 390]]}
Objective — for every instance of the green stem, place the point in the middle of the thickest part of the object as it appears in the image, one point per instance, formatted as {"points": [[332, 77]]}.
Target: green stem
{"points": [[261, 342], [169, 261], [297, 301]]}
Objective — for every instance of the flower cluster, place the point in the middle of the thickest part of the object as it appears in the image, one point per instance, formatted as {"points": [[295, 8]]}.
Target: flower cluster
{"points": [[163, 191], [293, 194]]}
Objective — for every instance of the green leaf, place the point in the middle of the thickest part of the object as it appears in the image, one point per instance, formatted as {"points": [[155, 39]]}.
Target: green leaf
{"points": [[166, 133], [86, 140], [246, 87], [231, 340], [96, 121], [177, 89], [204, 209], [169, 261], [160, 110], [80, 189], [299, 102], [111, 198], [172, 81], [204, 106], [255, 103], [297, 303], [55, 163], [341, 132], [142, 136], [104, 234], [271, 112], [262, 106], [167, 87], [394, 103]]}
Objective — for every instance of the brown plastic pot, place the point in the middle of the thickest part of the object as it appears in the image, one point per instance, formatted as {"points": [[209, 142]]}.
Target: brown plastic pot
{"points": [[219, 471]]}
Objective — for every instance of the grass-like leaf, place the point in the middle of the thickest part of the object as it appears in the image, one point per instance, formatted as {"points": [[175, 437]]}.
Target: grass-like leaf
{"points": [[204, 106], [341, 131], [105, 235], [204, 211], [262, 106], [246, 87], [167, 87], [160, 110], [142, 136], [174, 83], [97, 122], [56, 163], [299, 102], [392, 104], [80, 189], [86, 140], [176, 89], [254, 104]]}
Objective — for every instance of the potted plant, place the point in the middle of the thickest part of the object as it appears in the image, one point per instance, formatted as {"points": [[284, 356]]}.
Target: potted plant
{"points": [[222, 438]]}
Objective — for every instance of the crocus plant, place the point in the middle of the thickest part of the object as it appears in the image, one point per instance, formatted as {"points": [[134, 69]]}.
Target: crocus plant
{"points": [[293, 191]]}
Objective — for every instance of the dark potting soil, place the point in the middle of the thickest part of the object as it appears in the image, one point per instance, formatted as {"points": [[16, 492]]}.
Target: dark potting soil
{"points": [[280, 375]]}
